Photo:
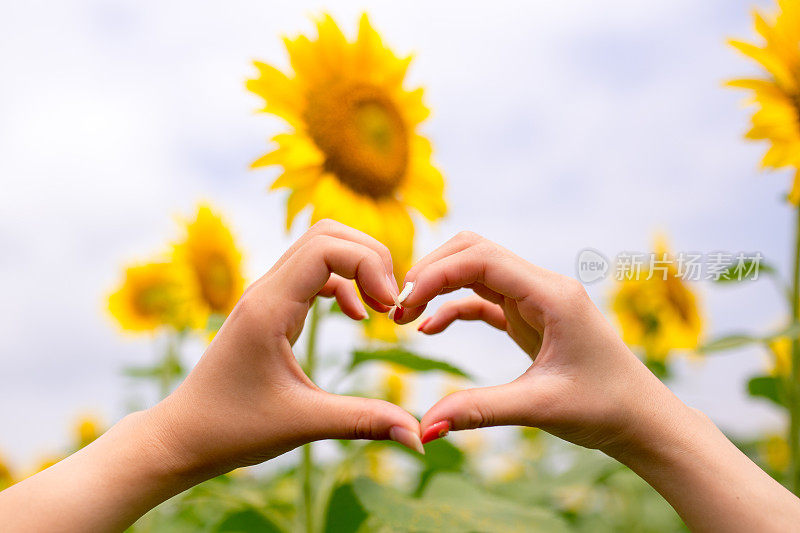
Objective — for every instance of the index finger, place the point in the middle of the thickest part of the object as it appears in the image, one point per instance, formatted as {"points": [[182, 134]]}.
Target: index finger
{"points": [[489, 265]]}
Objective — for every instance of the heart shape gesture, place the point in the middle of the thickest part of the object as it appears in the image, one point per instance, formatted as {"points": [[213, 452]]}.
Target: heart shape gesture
{"points": [[248, 400], [584, 384]]}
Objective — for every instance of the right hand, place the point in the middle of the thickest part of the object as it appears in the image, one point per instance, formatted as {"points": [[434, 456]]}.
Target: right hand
{"points": [[584, 385]]}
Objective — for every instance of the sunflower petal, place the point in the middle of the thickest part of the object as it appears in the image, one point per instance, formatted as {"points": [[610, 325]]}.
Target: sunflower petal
{"points": [[279, 92]]}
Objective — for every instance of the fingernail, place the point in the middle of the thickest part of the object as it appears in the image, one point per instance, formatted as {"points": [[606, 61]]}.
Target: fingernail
{"points": [[362, 311], [392, 284], [407, 438], [424, 323], [398, 314], [407, 288], [436, 431], [392, 312]]}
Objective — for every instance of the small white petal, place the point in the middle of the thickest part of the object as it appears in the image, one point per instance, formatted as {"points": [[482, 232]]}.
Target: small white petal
{"points": [[406, 292]]}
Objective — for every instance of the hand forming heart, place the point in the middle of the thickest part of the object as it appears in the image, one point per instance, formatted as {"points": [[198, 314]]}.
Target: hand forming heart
{"points": [[584, 385], [248, 400]]}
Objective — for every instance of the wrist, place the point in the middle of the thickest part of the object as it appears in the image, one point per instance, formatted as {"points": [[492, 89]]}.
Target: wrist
{"points": [[657, 425], [165, 459]]}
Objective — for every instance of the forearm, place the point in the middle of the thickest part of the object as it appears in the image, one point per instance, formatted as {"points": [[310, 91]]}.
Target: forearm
{"points": [[709, 482], [103, 487]]}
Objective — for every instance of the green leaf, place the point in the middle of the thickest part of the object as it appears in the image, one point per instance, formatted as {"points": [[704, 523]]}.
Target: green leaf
{"points": [[769, 387], [344, 514], [246, 521], [737, 272], [406, 359], [452, 503], [440, 456], [730, 342]]}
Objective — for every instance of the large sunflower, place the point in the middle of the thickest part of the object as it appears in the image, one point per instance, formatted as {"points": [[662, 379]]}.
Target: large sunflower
{"points": [[353, 153], [777, 94]]}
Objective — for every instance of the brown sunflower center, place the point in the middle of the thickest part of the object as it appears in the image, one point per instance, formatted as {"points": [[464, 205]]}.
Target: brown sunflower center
{"points": [[363, 137], [796, 101]]}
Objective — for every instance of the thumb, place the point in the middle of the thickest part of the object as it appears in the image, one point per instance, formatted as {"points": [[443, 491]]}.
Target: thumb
{"points": [[350, 417], [501, 405]]}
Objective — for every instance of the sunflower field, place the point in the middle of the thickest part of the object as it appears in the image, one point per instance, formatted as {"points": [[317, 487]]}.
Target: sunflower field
{"points": [[513, 127]]}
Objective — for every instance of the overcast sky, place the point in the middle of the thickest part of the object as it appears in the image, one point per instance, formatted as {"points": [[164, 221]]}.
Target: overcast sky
{"points": [[559, 125]]}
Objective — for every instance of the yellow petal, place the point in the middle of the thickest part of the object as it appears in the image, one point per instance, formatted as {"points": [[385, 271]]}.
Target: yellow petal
{"points": [[297, 201], [794, 194], [279, 92], [297, 178], [294, 151]]}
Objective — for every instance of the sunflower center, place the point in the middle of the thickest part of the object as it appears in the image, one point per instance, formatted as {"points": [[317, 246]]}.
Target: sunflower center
{"points": [[363, 137], [153, 301], [216, 281]]}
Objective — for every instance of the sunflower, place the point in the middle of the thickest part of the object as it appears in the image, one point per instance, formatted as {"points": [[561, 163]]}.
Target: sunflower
{"points": [[86, 430], [395, 384], [659, 314], [210, 252], [777, 94], [6, 477], [775, 452], [781, 349], [153, 295], [353, 153]]}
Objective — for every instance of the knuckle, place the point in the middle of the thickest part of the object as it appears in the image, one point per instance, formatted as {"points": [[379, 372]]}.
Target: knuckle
{"points": [[468, 237], [249, 310], [574, 293], [364, 426], [477, 414], [323, 226], [319, 240], [486, 249]]}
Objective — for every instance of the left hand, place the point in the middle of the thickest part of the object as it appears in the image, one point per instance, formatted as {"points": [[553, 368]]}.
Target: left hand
{"points": [[248, 399]]}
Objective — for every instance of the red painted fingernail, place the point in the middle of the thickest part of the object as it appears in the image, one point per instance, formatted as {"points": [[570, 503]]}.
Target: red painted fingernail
{"points": [[398, 314], [424, 322], [436, 431]]}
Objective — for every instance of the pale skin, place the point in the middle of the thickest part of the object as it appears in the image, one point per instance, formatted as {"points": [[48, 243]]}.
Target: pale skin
{"points": [[245, 402], [584, 385], [248, 400]]}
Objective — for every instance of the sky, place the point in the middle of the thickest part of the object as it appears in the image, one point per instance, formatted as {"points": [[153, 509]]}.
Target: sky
{"points": [[558, 125]]}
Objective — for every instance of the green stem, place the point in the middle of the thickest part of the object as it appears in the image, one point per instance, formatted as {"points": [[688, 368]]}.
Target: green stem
{"points": [[794, 384], [167, 366], [308, 459]]}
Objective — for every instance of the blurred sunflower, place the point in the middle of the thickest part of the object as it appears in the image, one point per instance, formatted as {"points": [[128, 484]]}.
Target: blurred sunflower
{"points": [[394, 384], [209, 250], [659, 314], [777, 94], [6, 477], [774, 451], [781, 349], [153, 295], [353, 154], [87, 429]]}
